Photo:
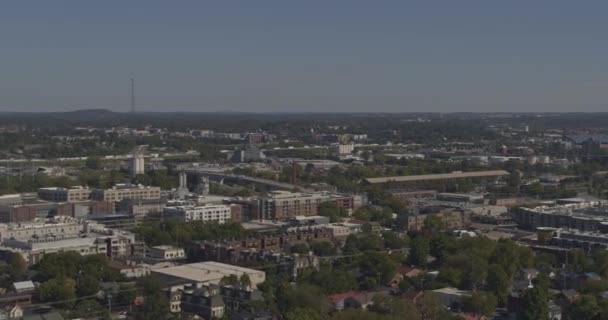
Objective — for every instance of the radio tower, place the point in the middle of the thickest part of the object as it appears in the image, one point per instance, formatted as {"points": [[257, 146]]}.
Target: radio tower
{"points": [[132, 95]]}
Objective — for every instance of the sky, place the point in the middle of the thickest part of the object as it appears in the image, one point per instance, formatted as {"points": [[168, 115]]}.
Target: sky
{"points": [[305, 56]]}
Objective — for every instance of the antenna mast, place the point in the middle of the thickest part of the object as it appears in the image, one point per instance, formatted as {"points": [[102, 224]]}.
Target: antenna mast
{"points": [[132, 95]]}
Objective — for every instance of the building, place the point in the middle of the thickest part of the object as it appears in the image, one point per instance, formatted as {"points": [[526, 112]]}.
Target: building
{"points": [[28, 212], [460, 197], [451, 297], [58, 194], [219, 213], [451, 218], [137, 165], [285, 204], [247, 249], [250, 208], [126, 191], [167, 253], [11, 199], [57, 230], [493, 174], [249, 153], [141, 208], [338, 230], [344, 148], [35, 240], [209, 272], [584, 216], [205, 302], [578, 239], [310, 220]]}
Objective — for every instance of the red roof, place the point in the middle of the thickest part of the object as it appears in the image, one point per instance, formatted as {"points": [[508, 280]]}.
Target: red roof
{"points": [[338, 297], [472, 316]]}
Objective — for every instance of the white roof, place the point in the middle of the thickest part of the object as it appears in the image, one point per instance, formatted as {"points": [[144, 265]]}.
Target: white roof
{"points": [[206, 271], [24, 285]]}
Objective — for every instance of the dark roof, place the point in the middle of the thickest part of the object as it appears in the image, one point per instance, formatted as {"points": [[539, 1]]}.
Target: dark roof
{"points": [[53, 315], [580, 138], [216, 301], [438, 176]]}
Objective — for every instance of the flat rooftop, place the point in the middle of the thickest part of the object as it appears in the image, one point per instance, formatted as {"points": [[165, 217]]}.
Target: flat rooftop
{"points": [[440, 176], [209, 271]]}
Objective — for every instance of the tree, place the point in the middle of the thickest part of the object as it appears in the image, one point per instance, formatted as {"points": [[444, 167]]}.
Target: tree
{"points": [[585, 307], [63, 289], [301, 248], [304, 314], [322, 248], [231, 280], [377, 268], [394, 307], [156, 303], [333, 211], [85, 308], [482, 303], [93, 163], [87, 285], [433, 223], [331, 279], [430, 307], [394, 241], [304, 296], [419, 251], [476, 272], [438, 245], [245, 281], [536, 300], [17, 265], [498, 282]]}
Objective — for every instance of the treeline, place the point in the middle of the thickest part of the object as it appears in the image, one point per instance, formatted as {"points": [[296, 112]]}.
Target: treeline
{"points": [[172, 232]]}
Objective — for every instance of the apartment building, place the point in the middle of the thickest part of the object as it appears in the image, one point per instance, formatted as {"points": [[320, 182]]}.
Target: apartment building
{"points": [[167, 253], [126, 191], [585, 216], [28, 212], [33, 241], [219, 213], [140, 208], [285, 204]]}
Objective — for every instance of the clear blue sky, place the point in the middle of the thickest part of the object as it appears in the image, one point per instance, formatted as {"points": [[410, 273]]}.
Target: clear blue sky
{"points": [[326, 55]]}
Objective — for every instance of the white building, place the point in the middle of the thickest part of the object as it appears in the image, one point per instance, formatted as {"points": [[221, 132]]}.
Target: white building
{"points": [[137, 165], [344, 148], [33, 241], [167, 253], [218, 213]]}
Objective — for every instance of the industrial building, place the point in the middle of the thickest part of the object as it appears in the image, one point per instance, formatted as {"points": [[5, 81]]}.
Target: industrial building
{"points": [[58, 194]]}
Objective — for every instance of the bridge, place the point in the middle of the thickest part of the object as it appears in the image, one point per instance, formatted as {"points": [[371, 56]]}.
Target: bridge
{"points": [[220, 175]]}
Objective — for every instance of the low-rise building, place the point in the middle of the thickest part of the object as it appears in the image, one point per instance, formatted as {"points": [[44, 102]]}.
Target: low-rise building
{"points": [[167, 253], [219, 213], [126, 191], [451, 218], [141, 208], [58, 194], [35, 240], [586, 216]]}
